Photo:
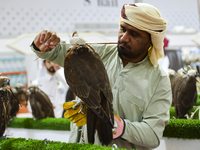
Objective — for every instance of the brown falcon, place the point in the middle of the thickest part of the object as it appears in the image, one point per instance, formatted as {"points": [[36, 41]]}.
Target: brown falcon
{"points": [[184, 91], [40, 103], [87, 77], [19, 94], [5, 94]]}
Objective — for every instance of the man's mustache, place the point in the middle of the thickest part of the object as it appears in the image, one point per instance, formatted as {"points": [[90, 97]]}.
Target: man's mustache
{"points": [[51, 67], [123, 44]]}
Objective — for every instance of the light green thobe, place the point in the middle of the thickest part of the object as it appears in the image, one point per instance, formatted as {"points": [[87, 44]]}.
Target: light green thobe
{"points": [[141, 96]]}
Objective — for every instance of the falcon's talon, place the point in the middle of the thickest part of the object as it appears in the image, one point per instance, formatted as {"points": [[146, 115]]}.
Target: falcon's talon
{"points": [[115, 126], [81, 108], [78, 102]]}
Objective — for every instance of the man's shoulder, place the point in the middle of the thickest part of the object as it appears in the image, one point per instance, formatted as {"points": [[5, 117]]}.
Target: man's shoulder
{"points": [[157, 73], [161, 71]]}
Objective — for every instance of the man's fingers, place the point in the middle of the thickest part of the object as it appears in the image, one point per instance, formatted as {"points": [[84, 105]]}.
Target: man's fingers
{"points": [[53, 39], [46, 40], [47, 36], [37, 40], [42, 36], [44, 48]]}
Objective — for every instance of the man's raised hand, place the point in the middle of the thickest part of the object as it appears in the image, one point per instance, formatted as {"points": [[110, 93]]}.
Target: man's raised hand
{"points": [[46, 40]]}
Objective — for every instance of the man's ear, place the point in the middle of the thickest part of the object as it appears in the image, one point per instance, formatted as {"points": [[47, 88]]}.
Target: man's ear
{"points": [[151, 44]]}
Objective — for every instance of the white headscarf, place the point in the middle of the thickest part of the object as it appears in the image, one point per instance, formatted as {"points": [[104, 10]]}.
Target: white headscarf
{"points": [[42, 71], [147, 18]]}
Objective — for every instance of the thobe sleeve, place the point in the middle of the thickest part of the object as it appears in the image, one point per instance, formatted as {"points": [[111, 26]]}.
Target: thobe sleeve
{"points": [[56, 55]]}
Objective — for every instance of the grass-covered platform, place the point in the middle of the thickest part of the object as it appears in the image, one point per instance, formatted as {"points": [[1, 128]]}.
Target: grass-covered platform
{"points": [[176, 128], [23, 144]]}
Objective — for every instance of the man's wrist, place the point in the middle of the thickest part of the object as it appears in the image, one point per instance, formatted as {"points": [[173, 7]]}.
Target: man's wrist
{"points": [[34, 46]]}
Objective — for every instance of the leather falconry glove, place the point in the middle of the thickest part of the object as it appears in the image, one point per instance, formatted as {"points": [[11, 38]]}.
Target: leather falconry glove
{"points": [[76, 111]]}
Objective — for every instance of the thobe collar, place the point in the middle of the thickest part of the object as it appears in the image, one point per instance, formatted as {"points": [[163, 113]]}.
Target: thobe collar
{"points": [[49, 76], [131, 64], [141, 62]]}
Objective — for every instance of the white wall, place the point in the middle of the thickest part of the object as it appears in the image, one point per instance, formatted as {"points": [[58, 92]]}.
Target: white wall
{"points": [[178, 13], [25, 16], [20, 17]]}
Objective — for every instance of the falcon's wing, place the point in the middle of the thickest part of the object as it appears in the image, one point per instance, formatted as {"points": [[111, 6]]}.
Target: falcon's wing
{"points": [[87, 77], [185, 91], [39, 99]]}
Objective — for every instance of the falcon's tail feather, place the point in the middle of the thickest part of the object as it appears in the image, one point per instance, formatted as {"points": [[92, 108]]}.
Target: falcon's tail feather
{"points": [[103, 128], [104, 132], [91, 125], [111, 114]]}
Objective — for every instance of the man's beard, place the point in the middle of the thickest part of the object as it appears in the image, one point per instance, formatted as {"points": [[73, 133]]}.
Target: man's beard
{"points": [[128, 52], [51, 70], [125, 52]]}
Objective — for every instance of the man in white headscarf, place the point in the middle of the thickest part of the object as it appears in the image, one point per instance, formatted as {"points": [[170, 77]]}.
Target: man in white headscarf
{"points": [[52, 82], [141, 89]]}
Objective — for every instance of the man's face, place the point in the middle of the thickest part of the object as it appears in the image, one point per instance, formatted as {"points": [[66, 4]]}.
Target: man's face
{"points": [[50, 66], [133, 43]]}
